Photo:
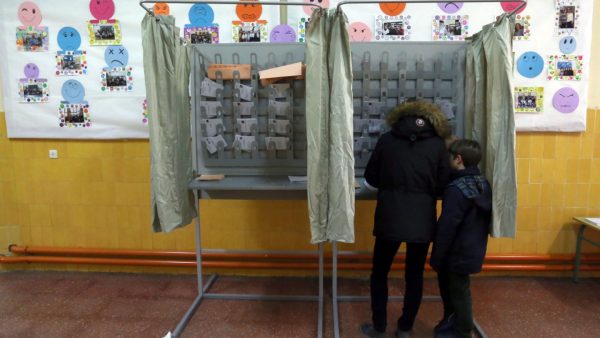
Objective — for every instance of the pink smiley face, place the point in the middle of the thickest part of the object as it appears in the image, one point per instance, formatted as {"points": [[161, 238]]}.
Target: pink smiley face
{"points": [[29, 14], [509, 6], [309, 9], [102, 9], [359, 31]]}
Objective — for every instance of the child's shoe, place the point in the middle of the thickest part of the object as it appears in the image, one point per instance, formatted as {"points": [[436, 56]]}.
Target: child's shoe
{"points": [[402, 334], [444, 324], [369, 331]]}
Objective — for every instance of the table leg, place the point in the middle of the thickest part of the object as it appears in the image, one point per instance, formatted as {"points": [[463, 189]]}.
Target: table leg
{"points": [[578, 253]]}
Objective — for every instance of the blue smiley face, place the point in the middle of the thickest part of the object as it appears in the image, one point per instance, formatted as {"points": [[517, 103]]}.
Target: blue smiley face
{"points": [[73, 91], [201, 15], [567, 44], [69, 38], [530, 64], [116, 56]]}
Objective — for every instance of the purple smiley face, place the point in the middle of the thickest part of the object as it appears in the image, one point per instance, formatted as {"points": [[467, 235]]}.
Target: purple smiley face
{"points": [[565, 100], [31, 71], [450, 7], [282, 33]]}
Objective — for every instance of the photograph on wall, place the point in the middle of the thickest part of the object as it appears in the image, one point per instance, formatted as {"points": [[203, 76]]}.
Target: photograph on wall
{"points": [[250, 31], [117, 79], [529, 99], [522, 27], [565, 67], [450, 27], [32, 39], [201, 35], [33, 90], [70, 63], [104, 33], [74, 115], [392, 28], [302, 29], [567, 17]]}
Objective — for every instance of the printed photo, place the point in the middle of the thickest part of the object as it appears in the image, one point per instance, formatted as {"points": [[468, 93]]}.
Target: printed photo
{"points": [[116, 78], [201, 35], [104, 32], [529, 99], [566, 17], [565, 67], [32, 40], [392, 28], [33, 90], [250, 31], [71, 62], [74, 115], [450, 27]]}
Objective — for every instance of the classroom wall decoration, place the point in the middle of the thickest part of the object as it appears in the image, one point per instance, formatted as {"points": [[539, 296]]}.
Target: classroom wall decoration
{"points": [[38, 60]]}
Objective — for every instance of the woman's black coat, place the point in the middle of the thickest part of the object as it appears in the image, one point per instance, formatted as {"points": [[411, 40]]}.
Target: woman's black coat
{"points": [[410, 167]]}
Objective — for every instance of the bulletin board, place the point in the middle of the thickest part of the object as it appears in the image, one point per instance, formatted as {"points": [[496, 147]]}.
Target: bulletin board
{"points": [[107, 101]]}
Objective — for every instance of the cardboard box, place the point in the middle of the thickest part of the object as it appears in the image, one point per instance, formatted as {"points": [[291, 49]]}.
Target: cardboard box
{"points": [[227, 71], [294, 71]]}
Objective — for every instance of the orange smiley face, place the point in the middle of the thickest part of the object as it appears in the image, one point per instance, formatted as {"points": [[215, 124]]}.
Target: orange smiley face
{"points": [[161, 8], [392, 8], [248, 12]]}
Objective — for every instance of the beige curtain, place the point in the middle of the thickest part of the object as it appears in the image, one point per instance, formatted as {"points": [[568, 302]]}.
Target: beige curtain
{"points": [[329, 112], [167, 70], [490, 117]]}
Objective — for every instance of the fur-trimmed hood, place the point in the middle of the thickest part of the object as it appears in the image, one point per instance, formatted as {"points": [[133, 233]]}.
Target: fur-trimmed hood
{"points": [[407, 120]]}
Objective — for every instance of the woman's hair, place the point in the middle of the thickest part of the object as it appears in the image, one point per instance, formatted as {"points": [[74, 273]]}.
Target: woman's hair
{"points": [[469, 150]]}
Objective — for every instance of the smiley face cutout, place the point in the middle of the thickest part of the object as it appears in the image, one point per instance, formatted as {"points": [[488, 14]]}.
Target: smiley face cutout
{"points": [[29, 14], [509, 6], [392, 8], [450, 7], [359, 31], [567, 45], [565, 100], [282, 33], [102, 9], [69, 39], [247, 11], [161, 8], [309, 9], [31, 71], [201, 15], [116, 56], [530, 64], [73, 91]]}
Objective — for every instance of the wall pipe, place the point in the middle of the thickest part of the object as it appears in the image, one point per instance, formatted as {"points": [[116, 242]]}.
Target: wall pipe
{"points": [[218, 254], [543, 262], [262, 265]]}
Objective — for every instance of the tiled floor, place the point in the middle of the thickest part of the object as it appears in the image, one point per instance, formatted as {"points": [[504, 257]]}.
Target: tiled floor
{"points": [[53, 304]]}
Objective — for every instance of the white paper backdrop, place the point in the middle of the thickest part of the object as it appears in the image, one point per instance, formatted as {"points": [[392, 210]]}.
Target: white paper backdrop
{"points": [[119, 114]]}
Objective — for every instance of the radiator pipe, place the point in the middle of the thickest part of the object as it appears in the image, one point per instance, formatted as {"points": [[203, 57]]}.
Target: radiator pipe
{"points": [[261, 265], [52, 251]]}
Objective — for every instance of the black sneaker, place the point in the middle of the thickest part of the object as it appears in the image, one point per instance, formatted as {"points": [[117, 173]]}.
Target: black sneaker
{"points": [[369, 331]]}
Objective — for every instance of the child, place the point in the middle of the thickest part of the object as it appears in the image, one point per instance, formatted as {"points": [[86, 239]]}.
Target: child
{"points": [[461, 239], [409, 167]]}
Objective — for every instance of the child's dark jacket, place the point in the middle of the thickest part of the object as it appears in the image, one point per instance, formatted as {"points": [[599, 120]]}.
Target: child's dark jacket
{"points": [[462, 232]]}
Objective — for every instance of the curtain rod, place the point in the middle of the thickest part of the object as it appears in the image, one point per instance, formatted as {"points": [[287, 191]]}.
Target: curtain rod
{"points": [[352, 2], [227, 2]]}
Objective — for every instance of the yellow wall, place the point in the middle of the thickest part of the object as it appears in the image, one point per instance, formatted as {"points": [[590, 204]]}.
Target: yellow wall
{"points": [[97, 195]]}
